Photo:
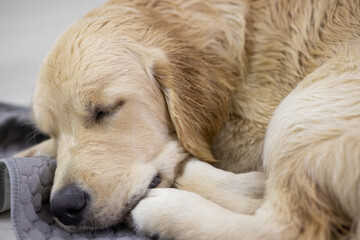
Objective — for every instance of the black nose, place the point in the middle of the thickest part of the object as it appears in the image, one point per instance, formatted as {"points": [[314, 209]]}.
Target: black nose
{"points": [[68, 205]]}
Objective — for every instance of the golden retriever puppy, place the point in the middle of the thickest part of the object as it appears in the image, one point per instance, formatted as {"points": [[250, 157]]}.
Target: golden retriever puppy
{"points": [[145, 94]]}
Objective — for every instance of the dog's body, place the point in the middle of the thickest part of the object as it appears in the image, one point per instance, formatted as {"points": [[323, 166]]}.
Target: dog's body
{"points": [[224, 67]]}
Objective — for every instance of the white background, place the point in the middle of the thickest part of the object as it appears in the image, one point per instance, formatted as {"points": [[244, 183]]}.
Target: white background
{"points": [[28, 28]]}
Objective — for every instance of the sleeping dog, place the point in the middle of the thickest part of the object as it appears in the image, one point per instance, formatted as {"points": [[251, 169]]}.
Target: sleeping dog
{"points": [[250, 109]]}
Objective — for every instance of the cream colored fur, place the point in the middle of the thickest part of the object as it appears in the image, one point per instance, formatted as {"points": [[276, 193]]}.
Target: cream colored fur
{"points": [[267, 87]]}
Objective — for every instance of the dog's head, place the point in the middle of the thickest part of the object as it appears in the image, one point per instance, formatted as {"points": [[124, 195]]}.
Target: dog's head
{"points": [[126, 102]]}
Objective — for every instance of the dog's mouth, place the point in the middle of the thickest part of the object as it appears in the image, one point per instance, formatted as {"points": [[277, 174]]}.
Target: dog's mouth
{"points": [[156, 180], [123, 216]]}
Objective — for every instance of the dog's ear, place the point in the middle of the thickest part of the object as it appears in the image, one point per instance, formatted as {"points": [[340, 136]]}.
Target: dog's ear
{"points": [[197, 87]]}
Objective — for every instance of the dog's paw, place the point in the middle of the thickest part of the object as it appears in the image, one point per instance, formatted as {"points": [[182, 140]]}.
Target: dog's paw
{"points": [[157, 213], [168, 159], [172, 150], [44, 149], [175, 214]]}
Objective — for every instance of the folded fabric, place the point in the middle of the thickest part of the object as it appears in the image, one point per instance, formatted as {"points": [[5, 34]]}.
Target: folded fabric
{"points": [[25, 184]]}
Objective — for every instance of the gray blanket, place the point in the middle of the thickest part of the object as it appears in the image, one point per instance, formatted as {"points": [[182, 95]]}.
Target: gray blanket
{"points": [[27, 182]]}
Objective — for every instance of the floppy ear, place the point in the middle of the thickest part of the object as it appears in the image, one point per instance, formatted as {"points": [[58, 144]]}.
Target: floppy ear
{"points": [[197, 88]]}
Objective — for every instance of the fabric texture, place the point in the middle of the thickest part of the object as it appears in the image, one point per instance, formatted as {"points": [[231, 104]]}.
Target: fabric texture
{"points": [[25, 184]]}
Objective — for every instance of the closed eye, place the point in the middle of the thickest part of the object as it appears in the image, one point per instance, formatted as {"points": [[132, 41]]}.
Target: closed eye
{"points": [[100, 112], [100, 115]]}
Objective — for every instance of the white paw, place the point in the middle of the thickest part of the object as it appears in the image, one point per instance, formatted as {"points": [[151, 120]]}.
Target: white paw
{"points": [[167, 161], [45, 149], [157, 213], [175, 214]]}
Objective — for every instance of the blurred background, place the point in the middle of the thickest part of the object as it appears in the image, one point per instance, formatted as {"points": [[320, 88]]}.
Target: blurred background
{"points": [[28, 29]]}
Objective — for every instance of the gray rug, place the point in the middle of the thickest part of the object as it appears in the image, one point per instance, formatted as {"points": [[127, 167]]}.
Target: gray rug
{"points": [[25, 183]]}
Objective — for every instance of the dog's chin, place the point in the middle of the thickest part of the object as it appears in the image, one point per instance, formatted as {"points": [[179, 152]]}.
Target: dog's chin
{"points": [[72, 229], [90, 224], [89, 228]]}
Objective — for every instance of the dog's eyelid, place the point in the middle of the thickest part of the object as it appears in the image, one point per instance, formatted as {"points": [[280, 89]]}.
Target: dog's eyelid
{"points": [[102, 112], [100, 115]]}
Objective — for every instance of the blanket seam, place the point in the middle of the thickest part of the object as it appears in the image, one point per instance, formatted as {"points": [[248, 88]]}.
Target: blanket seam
{"points": [[15, 190], [2, 185]]}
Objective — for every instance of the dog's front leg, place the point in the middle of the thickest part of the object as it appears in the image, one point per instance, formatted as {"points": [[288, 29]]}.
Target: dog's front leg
{"points": [[47, 148], [242, 193], [169, 213]]}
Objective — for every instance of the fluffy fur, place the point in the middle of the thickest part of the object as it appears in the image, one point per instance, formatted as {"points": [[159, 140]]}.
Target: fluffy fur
{"points": [[267, 86]]}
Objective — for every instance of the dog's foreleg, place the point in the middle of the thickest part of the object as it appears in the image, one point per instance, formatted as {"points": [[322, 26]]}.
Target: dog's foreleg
{"points": [[169, 213], [175, 214], [242, 193], [47, 148]]}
